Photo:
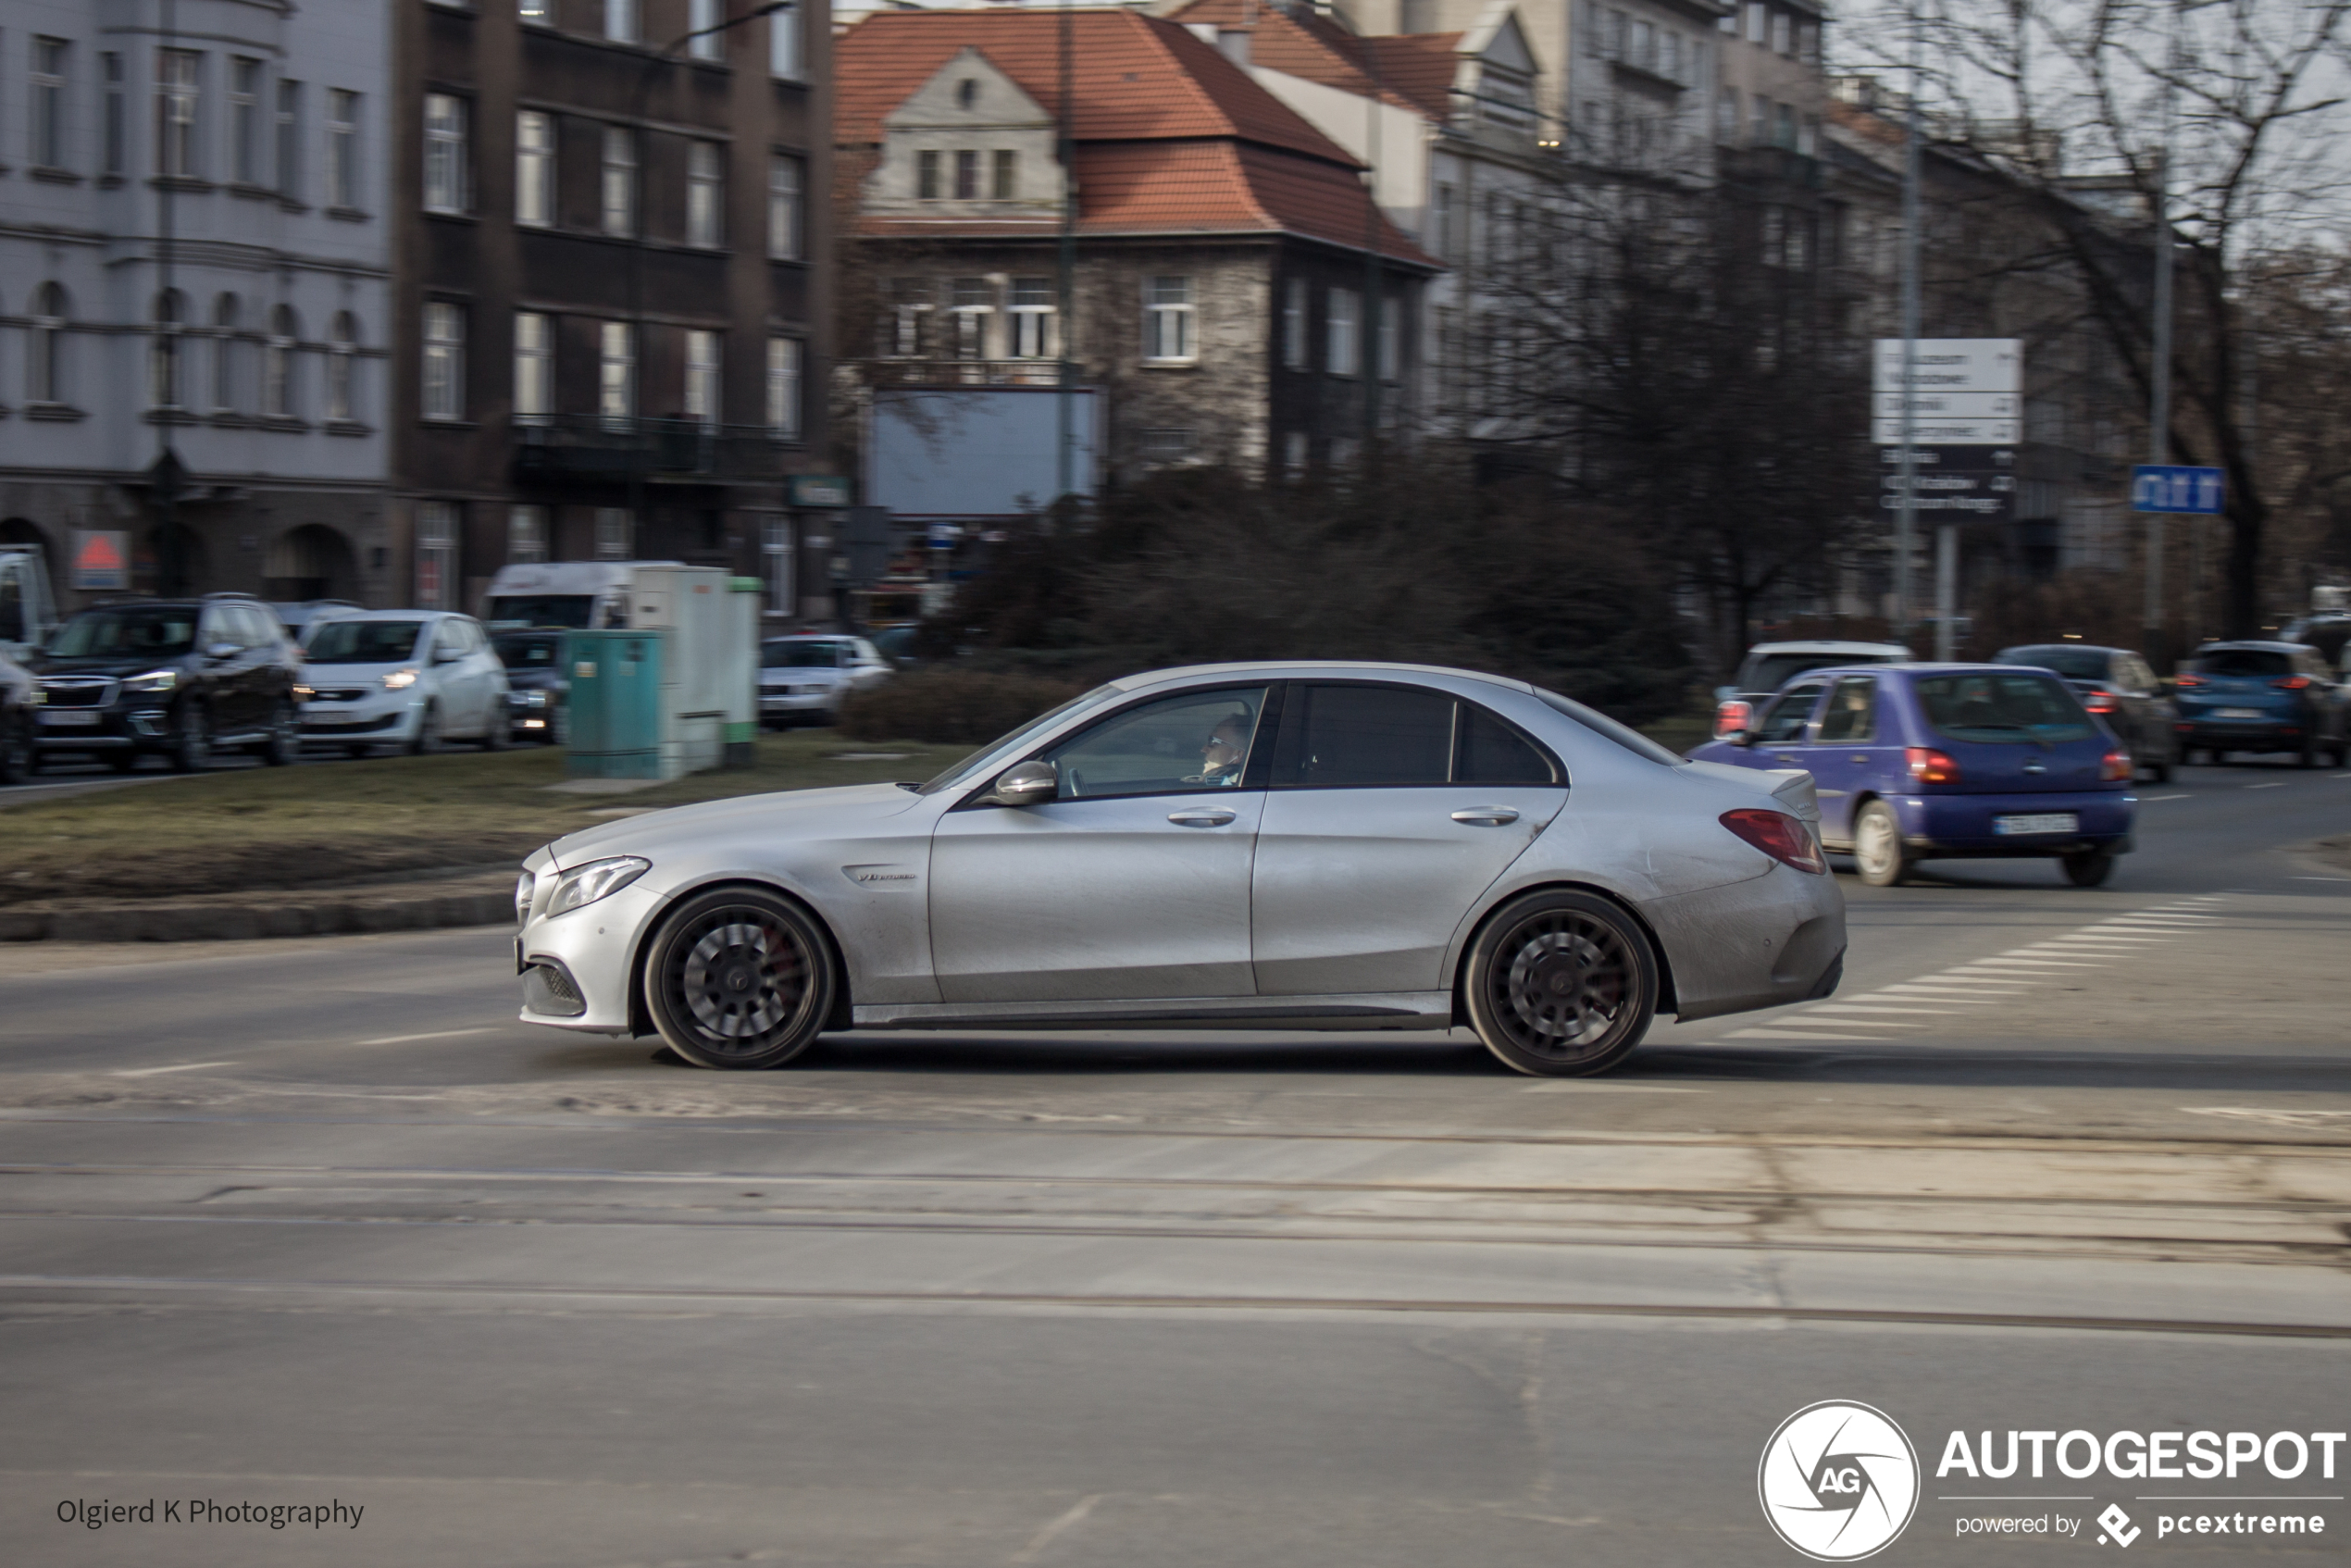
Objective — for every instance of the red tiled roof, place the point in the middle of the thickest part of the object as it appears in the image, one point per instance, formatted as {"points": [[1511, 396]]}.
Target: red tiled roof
{"points": [[1135, 78], [1421, 66], [1320, 49]]}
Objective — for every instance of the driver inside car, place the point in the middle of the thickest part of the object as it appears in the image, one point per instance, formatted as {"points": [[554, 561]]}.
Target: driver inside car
{"points": [[1221, 757]]}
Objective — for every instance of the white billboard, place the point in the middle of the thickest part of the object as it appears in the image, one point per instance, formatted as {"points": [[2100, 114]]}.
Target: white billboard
{"points": [[968, 453]]}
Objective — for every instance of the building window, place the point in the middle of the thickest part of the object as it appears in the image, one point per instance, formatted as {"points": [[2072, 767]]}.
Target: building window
{"points": [[343, 348], [436, 553], [278, 364], [48, 103], [705, 195], [1007, 175], [114, 148], [1440, 223], [615, 533], [1807, 136], [1784, 127], [534, 368], [1726, 115], [1782, 33], [535, 169], [974, 301], [44, 361], [1760, 132], [1759, 21], [616, 374], [289, 130], [342, 149], [1809, 49], [620, 185], [163, 351], [908, 313], [966, 177], [224, 354], [444, 363], [1168, 446], [1169, 336], [783, 43], [783, 209], [701, 376], [1032, 317], [244, 121], [525, 535], [775, 554], [1294, 455], [1390, 340], [1340, 348], [620, 21], [783, 388], [927, 177], [1294, 323], [176, 111], [702, 17], [447, 161]]}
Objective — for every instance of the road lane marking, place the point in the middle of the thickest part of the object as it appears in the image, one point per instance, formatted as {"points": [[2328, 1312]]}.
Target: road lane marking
{"points": [[2322, 879], [151, 1072], [2278, 785], [2026, 955], [2149, 799], [1586, 1086], [437, 1034], [1797, 1034], [1075, 1514], [1872, 1007]]}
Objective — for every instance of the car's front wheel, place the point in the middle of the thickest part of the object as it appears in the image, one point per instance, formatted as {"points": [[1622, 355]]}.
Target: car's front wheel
{"points": [[1878, 849], [284, 744], [739, 979], [1561, 985], [191, 739]]}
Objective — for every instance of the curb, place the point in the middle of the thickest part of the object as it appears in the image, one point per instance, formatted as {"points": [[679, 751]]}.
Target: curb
{"points": [[299, 914]]}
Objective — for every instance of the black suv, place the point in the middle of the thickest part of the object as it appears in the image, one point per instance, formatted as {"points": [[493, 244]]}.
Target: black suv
{"points": [[2118, 685], [181, 678]]}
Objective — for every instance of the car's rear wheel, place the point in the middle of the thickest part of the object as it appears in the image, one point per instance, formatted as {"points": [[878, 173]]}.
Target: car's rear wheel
{"points": [[2088, 868], [19, 756], [1878, 849], [739, 979], [498, 731], [1561, 985], [284, 744], [2306, 755]]}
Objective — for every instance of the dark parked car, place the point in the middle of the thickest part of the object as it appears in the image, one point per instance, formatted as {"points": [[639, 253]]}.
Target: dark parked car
{"points": [[2261, 697], [17, 758], [179, 677], [2118, 685], [1933, 762], [538, 684]]}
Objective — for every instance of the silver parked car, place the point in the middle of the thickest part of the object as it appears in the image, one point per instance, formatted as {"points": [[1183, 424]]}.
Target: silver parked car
{"points": [[1251, 845]]}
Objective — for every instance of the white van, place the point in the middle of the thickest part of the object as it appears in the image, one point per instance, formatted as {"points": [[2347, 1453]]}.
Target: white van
{"points": [[579, 595]]}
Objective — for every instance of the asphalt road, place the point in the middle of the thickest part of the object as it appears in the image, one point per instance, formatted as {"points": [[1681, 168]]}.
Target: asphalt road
{"points": [[301, 1221]]}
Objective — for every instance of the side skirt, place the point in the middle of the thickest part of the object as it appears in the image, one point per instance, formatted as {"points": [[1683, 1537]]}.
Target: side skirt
{"points": [[1378, 1010]]}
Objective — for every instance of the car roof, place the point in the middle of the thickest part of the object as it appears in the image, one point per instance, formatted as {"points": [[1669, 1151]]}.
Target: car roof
{"points": [[1305, 667], [396, 614], [1828, 647], [2085, 647], [1907, 666], [2258, 644]]}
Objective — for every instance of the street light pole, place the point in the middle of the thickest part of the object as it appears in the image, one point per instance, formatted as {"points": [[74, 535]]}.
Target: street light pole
{"points": [[1066, 270], [1907, 497], [2160, 371]]}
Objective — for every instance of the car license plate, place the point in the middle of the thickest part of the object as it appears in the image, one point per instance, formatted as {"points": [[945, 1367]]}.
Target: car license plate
{"points": [[2039, 822], [324, 710], [2239, 713], [53, 716]]}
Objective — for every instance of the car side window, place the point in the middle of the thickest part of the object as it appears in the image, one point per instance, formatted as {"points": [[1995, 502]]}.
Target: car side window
{"points": [[1851, 716], [1488, 749], [1783, 720], [448, 640], [868, 652], [1176, 745], [219, 625], [1334, 737]]}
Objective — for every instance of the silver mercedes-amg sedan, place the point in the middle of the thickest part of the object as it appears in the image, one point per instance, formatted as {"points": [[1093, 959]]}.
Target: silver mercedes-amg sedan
{"points": [[1269, 846]]}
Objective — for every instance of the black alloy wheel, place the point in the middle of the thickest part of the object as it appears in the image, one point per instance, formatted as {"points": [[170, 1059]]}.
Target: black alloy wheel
{"points": [[739, 980], [191, 739], [1561, 985], [19, 758], [284, 744]]}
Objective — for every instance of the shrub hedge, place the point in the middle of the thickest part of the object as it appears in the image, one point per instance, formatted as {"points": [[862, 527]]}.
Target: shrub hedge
{"points": [[951, 705]]}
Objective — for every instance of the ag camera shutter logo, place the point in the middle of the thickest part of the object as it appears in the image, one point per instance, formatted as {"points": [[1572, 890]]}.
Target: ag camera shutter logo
{"points": [[1838, 1481]]}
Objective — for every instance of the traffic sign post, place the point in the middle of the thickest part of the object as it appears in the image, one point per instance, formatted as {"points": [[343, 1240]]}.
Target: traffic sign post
{"points": [[1946, 394], [2174, 488]]}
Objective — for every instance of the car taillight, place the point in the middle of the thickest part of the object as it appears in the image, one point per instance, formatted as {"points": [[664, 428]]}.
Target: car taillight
{"points": [[1931, 766], [2115, 767], [2099, 702], [2291, 682], [2186, 680], [1732, 716], [1778, 835]]}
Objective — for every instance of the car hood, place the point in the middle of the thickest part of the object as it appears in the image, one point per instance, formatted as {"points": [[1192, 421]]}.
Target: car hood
{"points": [[814, 814], [358, 675], [106, 664], [820, 675]]}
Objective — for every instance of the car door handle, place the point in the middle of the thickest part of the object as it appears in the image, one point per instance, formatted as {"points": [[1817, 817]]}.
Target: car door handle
{"points": [[1213, 818], [1485, 816], [1858, 757]]}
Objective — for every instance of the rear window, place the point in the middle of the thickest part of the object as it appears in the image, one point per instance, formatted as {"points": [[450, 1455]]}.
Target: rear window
{"points": [[528, 653], [2243, 663], [803, 655], [2002, 707], [544, 609], [2077, 663]]}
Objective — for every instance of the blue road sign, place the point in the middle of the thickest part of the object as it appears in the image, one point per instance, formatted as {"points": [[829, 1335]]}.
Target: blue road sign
{"points": [[2169, 487]]}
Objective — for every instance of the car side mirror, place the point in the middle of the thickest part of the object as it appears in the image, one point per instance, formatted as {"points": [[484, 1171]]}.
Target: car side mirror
{"points": [[444, 656], [1024, 784], [222, 650]]}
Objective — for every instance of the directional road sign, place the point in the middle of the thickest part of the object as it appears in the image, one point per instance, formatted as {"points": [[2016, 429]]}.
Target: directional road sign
{"points": [[2170, 487], [1952, 364], [1960, 391], [1887, 431]]}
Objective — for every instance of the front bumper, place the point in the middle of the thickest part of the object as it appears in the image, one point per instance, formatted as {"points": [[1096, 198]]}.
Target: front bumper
{"points": [[776, 704], [110, 728], [1958, 825], [387, 718], [593, 947]]}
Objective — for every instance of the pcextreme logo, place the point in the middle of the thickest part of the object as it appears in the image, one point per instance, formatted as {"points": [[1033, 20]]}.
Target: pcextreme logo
{"points": [[1838, 1481]]}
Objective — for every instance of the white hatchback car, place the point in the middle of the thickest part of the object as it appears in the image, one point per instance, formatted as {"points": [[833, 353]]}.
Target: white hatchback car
{"points": [[803, 678], [404, 678]]}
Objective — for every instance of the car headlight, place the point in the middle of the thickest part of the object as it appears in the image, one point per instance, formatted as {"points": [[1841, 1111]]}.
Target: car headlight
{"points": [[599, 878], [303, 693], [530, 699], [522, 897], [154, 682], [400, 680]]}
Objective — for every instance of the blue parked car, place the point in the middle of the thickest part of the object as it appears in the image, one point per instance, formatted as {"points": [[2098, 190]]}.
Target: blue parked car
{"points": [[1933, 762], [2261, 697]]}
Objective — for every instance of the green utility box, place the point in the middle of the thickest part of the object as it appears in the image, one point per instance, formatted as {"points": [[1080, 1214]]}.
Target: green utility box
{"points": [[616, 703]]}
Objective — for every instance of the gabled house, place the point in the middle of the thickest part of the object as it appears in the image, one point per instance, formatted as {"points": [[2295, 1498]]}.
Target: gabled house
{"points": [[1235, 295]]}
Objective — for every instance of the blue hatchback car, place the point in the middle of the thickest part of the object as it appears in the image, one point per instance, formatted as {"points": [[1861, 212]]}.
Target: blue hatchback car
{"points": [[1930, 761]]}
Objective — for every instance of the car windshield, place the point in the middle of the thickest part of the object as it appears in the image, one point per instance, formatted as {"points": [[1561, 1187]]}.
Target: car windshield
{"points": [[1599, 723], [803, 655], [544, 609], [362, 643], [1769, 672], [2075, 664], [146, 631], [2241, 663], [2002, 707], [969, 765], [528, 653]]}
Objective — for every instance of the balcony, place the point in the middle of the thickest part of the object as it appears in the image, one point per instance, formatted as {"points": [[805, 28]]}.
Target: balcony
{"points": [[590, 447]]}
